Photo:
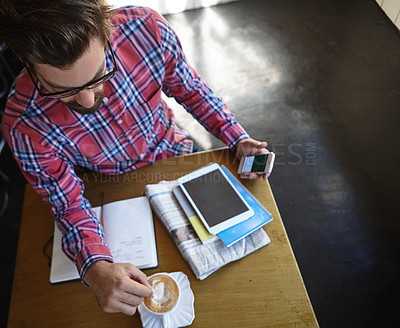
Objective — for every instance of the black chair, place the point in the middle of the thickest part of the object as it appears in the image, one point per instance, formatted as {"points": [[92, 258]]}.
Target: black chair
{"points": [[9, 69]]}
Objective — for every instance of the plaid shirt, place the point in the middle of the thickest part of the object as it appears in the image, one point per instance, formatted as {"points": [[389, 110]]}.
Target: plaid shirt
{"points": [[133, 126]]}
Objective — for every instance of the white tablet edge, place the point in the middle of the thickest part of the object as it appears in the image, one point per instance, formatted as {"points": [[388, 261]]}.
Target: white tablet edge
{"points": [[227, 223]]}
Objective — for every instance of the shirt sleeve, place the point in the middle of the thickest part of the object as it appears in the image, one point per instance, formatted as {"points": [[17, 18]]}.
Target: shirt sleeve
{"points": [[186, 86], [54, 179]]}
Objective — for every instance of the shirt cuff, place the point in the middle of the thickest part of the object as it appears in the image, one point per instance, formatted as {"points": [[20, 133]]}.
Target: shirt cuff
{"points": [[233, 134], [90, 254]]}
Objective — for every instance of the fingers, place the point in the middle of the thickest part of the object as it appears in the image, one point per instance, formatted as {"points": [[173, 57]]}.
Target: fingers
{"points": [[262, 150], [119, 306], [124, 299], [255, 176], [137, 275], [250, 147], [131, 299], [137, 288], [138, 284], [127, 309], [257, 147], [261, 145], [118, 287]]}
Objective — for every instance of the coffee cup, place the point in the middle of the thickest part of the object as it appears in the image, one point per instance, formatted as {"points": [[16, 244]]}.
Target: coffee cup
{"points": [[165, 298]]}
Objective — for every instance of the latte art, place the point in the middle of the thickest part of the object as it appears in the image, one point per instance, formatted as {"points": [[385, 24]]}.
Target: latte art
{"points": [[161, 292], [165, 294]]}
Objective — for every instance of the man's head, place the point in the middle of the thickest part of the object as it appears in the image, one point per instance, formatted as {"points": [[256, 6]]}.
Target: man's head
{"points": [[62, 42], [52, 32]]}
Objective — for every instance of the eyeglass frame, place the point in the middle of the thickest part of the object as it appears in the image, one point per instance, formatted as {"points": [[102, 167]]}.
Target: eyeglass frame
{"points": [[74, 91]]}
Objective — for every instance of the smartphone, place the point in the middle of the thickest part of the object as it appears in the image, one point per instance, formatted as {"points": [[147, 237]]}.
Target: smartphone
{"points": [[260, 164]]}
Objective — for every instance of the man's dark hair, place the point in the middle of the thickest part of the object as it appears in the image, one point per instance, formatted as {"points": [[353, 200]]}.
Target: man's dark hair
{"points": [[53, 32]]}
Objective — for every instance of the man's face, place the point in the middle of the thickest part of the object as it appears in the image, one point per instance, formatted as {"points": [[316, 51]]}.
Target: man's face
{"points": [[90, 66]]}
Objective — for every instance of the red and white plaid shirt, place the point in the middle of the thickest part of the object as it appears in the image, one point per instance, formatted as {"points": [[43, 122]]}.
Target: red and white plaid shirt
{"points": [[133, 126]]}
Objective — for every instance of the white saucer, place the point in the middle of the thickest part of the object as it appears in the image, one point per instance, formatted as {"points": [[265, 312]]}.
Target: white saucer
{"points": [[182, 316]]}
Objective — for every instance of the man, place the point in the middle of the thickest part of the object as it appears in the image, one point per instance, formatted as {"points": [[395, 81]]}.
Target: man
{"points": [[90, 96]]}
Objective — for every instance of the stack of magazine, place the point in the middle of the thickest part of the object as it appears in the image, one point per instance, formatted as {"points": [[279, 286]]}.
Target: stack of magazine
{"points": [[203, 251]]}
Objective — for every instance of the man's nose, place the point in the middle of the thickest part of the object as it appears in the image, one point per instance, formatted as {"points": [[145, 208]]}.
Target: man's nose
{"points": [[85, 98]]}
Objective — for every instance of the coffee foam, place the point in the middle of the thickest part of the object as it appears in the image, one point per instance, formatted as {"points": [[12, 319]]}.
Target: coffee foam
{"points": [[165, 294], [161, 292]]}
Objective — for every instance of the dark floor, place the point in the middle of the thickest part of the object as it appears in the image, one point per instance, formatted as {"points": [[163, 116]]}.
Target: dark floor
{"points": [[320, 81]]}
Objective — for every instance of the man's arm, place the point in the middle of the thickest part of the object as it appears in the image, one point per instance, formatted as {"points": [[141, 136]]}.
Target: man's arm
{"points": [[185, 85], [182, 82], [117, 287]]}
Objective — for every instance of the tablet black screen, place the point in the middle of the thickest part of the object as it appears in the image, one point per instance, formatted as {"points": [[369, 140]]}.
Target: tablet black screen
{"points": [[214, 197]]}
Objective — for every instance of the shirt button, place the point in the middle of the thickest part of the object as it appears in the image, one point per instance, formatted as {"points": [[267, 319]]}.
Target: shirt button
{"points": [[105, 99], [130, 137], [120, 121]]}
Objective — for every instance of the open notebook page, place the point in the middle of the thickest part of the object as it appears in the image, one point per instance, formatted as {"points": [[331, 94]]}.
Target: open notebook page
{"points": [[129, 230]]}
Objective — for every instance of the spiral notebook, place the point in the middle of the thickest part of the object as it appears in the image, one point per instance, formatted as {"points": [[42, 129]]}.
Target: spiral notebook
{"points": [[261, 215]]}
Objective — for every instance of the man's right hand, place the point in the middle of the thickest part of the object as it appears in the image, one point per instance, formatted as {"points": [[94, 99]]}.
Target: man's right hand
{"points": [[119, 287]]}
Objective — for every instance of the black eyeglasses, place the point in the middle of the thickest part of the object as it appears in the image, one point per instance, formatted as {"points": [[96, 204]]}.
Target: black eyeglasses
{"points": [[74, 91]]}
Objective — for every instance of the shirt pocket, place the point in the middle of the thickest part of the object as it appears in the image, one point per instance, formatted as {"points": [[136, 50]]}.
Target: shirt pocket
{"points": [[143, 119]]}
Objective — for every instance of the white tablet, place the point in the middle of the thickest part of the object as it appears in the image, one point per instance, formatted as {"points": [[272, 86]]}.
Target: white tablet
{"points": [[214, 198]]}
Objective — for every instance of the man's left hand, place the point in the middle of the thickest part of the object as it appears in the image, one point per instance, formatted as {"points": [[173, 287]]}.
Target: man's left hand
{"points": [[251, 147]]}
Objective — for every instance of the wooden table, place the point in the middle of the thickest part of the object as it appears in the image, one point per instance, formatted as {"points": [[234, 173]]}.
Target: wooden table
{"points": [[264, 289]]}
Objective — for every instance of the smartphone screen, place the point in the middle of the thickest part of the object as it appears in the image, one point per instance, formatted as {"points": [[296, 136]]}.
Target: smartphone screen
{"points": [[255, 163]]}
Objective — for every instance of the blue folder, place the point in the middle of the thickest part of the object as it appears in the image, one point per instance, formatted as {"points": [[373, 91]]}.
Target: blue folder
{"points": [[241, 230]]}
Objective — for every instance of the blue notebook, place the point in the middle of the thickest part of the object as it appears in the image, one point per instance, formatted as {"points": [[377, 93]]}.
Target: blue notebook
{"points": [[241, 230]]}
